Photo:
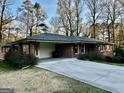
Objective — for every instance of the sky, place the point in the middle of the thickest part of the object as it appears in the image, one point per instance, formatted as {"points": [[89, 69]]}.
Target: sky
{"points": [[49, 5]]}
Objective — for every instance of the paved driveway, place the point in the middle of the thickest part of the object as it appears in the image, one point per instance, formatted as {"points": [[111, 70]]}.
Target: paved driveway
{"points": [[104, 76]]}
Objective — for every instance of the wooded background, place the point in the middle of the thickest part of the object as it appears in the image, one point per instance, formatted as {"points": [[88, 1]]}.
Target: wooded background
{"points": [[100, 19]]}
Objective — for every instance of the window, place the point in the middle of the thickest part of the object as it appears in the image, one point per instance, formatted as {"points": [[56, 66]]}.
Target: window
{"points": [[82, 49], [79, 49]]}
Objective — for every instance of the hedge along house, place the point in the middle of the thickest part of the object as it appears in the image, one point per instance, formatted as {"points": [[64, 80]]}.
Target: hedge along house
{"points": [[53, 45]]}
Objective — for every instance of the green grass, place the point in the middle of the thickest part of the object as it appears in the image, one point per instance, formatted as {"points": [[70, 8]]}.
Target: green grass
{"points": [[111, 63], [5, 67]]}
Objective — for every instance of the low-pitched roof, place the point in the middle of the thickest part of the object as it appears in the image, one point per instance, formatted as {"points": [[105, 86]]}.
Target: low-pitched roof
{"points": [[9, 44], [47, 37], [62, 38]]}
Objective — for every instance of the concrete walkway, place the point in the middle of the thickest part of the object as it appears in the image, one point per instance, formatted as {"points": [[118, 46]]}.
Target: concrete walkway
{"points": [[107, 77]]}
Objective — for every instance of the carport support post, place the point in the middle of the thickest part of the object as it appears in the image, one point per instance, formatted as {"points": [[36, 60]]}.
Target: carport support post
{"points": [[84, 49], [13, 47], [20, 47], [29, 49], [36, 47], [78, 49]]}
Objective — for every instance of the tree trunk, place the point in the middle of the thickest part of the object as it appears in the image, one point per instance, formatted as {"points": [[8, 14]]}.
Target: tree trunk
{"points": [[113, 31], [77, 25], [94, 19], [1, 19], [77, 21], [0, 36], [66, 32], [94, 31], [31, 31], [108, 33]]}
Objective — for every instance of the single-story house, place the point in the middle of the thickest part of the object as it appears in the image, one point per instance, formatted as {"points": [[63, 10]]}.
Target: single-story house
{"points": [[48, 45]]}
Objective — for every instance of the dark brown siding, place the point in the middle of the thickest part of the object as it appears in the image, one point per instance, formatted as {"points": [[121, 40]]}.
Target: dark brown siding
{"points": [[65, 50]]}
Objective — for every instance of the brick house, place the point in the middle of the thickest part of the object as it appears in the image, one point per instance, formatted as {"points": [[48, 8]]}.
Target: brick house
{"points": [[53, 45]]}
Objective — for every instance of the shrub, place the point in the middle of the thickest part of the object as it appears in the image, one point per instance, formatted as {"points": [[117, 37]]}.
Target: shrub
{"points": [[119, 52], [108, 58], [83, 56], [119, 55], [93, 56], [19, 59], [118, 59]]}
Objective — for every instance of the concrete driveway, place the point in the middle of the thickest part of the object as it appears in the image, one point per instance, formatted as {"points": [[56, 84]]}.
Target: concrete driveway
{"points": [[107, 77]]}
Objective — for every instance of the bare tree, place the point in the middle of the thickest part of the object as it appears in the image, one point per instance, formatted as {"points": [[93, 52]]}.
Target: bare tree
{"points": [[95, 10], [4, 17], [69, 12], [121, 27], [113, 8], [3, 6], [105, 19], [121, 1], [65, 14], [86, 30], [78, 12], [55, 23]]}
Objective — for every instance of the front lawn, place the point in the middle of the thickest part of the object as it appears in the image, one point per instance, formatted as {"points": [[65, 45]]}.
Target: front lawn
{"points": [[111, 63], [35, 80], [5, 67]]}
